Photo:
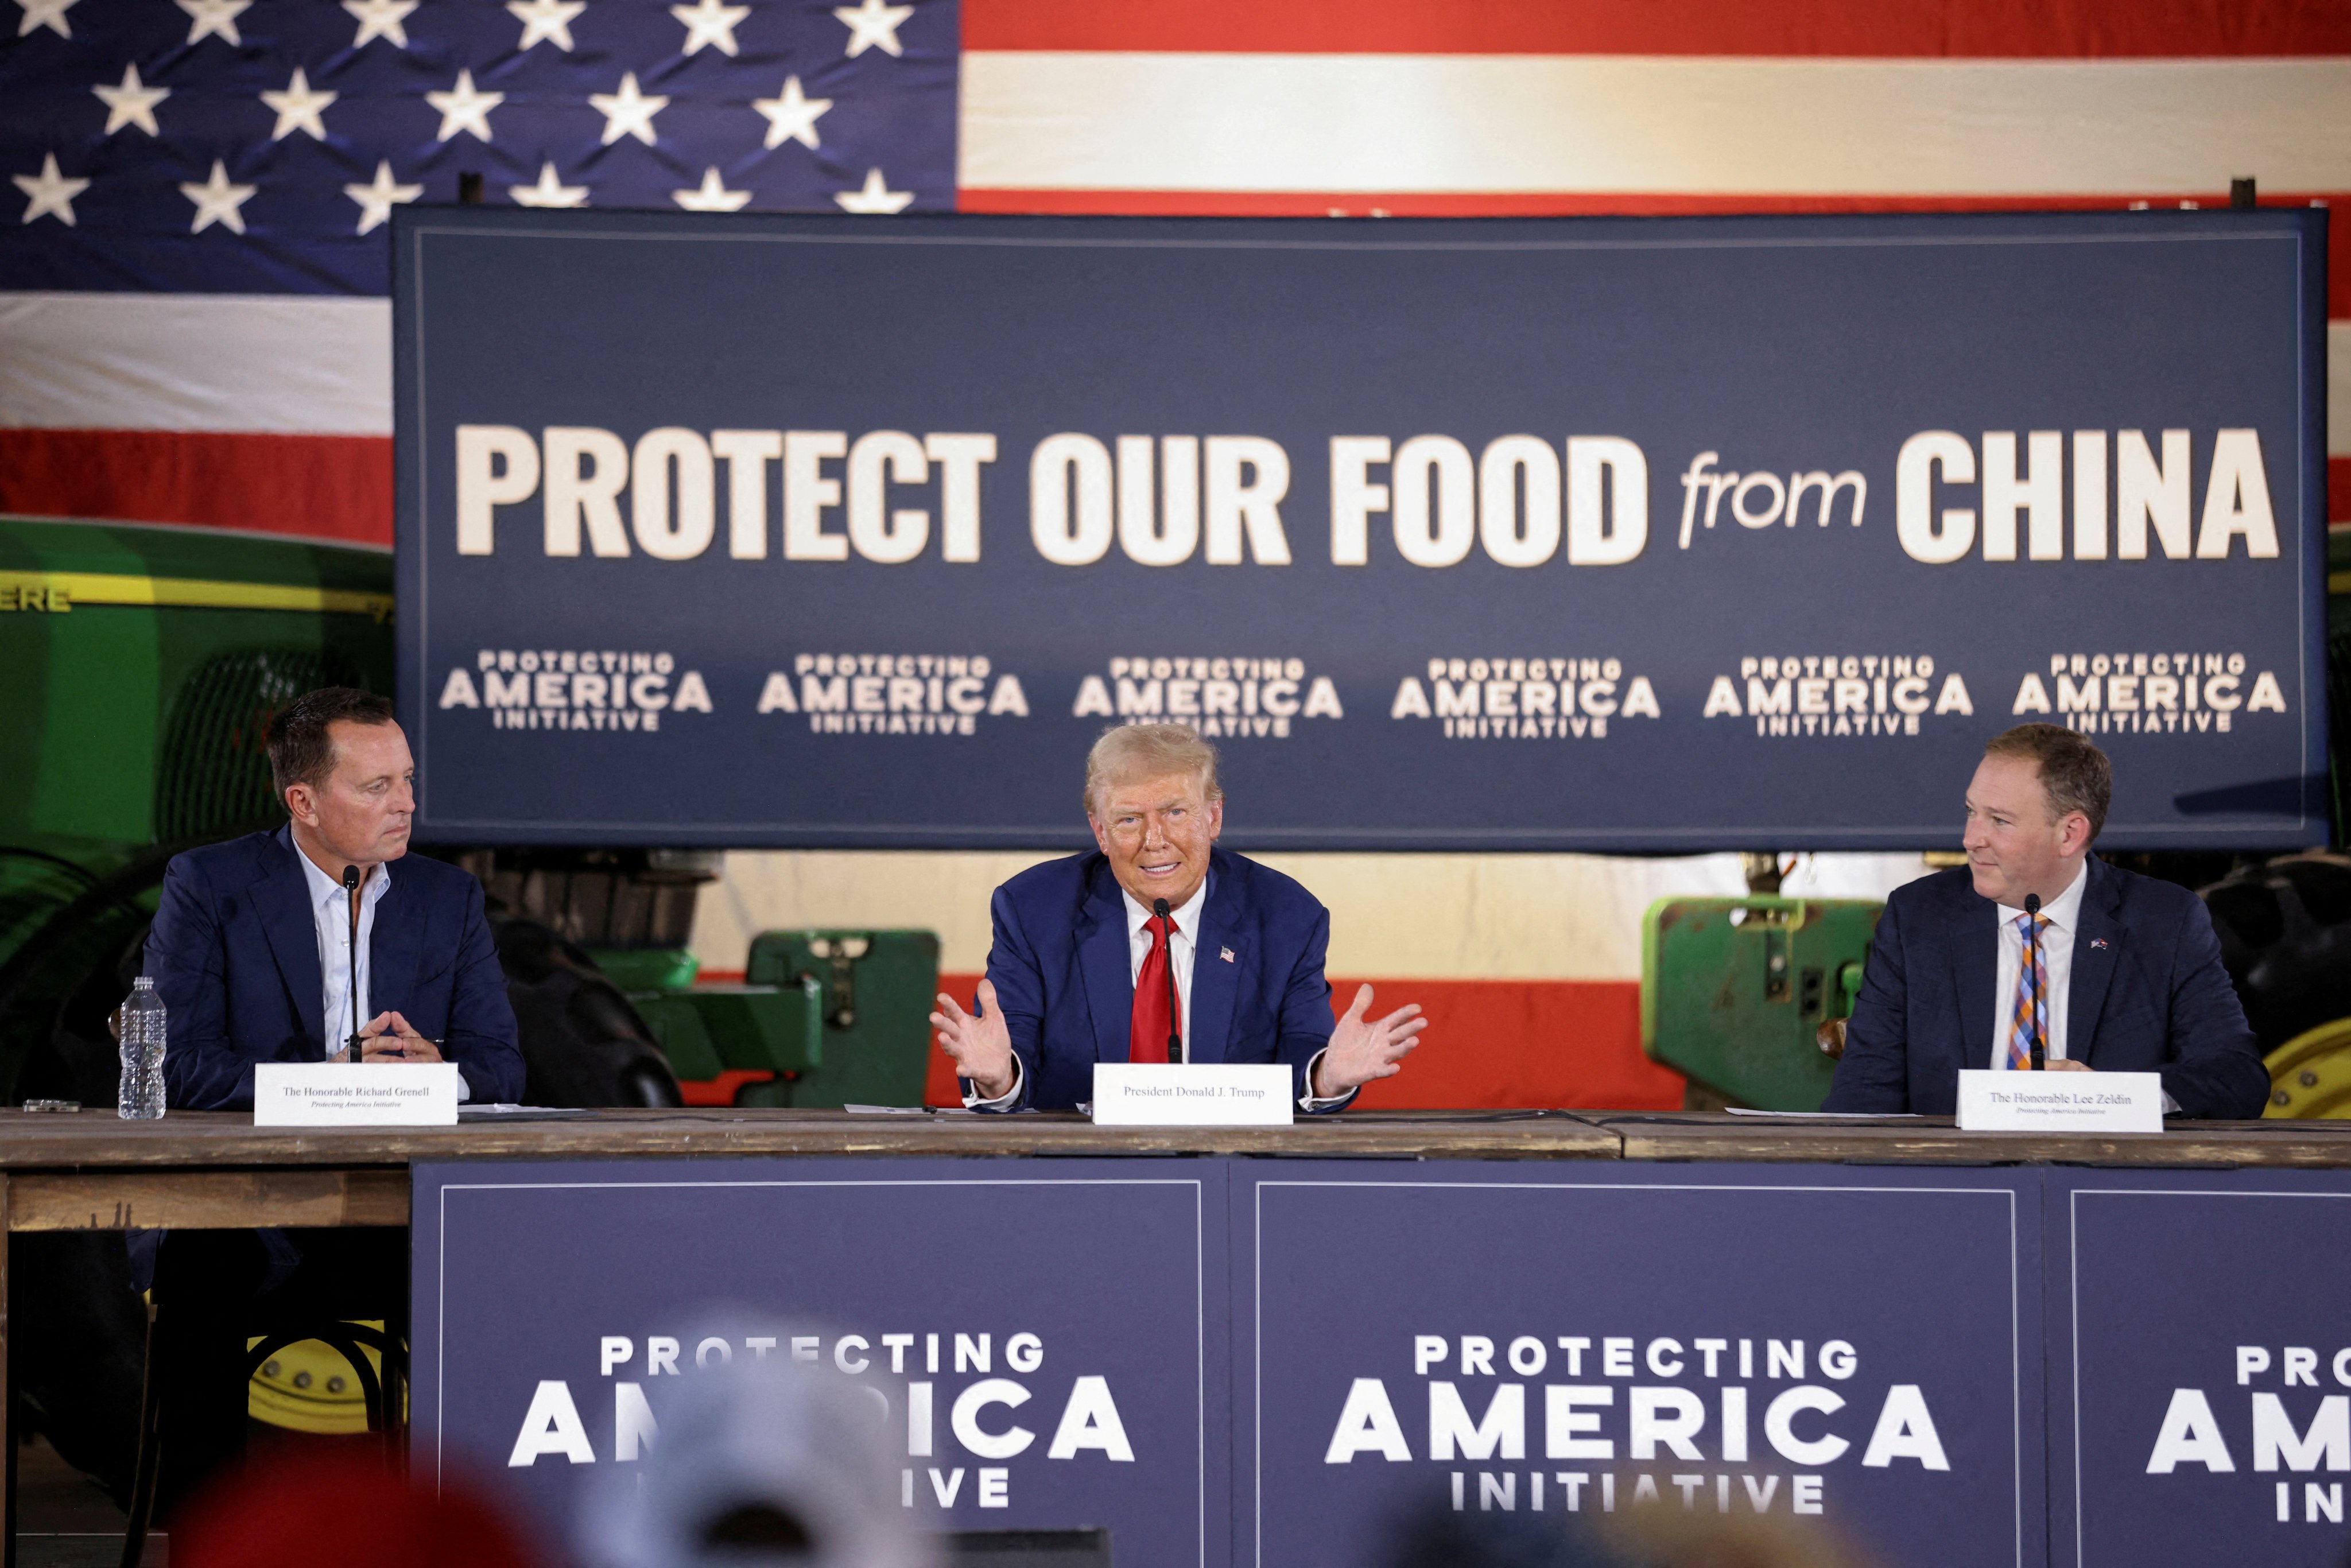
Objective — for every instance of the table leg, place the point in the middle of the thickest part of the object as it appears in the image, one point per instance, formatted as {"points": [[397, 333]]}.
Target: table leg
{"points": [[7, 1400]]}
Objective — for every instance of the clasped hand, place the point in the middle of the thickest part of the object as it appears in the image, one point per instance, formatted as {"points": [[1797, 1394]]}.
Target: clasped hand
{"points": [[388, 1037]]}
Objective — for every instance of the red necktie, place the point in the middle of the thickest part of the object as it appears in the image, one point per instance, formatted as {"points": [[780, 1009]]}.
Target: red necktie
{"points": [[1146, 1037]]}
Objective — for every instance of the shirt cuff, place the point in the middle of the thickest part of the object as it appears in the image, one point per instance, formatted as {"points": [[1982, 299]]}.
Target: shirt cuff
{"points": [[1307, 1101], [1006, 1100]]}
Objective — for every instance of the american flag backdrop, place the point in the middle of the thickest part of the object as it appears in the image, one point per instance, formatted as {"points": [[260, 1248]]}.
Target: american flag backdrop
{"points": [[192, 327]]}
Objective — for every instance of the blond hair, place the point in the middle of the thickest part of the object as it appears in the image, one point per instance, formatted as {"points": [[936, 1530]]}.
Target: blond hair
{"points": [[1131, 751]]}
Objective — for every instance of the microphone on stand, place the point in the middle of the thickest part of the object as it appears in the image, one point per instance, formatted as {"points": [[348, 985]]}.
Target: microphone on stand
{"points": [[1175, 1019], [2032, 957], [351, 888]]}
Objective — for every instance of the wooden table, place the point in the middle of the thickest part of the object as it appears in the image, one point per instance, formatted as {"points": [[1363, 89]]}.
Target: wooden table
{"points": [[91, 1171]]}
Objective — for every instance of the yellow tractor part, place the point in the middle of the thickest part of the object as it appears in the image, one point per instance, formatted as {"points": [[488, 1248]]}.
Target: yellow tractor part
{"points": [[2310, 1075], [309, 1387]]}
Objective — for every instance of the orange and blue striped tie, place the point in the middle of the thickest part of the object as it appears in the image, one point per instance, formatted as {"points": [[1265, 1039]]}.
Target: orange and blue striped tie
{"points": [[2032, 996]]}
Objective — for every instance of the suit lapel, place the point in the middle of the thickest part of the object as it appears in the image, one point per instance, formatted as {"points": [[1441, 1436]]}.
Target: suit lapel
{"points": [[1975, 956], [1214, 981], [281, 896], [394, 943], [1104, 965], [2097, 940]]}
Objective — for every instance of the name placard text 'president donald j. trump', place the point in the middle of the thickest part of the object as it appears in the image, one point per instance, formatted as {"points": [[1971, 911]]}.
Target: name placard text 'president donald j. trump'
{"points": [[1159, 947]]}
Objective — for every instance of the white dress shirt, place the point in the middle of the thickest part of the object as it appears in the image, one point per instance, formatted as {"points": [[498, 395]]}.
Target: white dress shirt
{"points": [[1182, 943], [331, 911], [2061, 916]]}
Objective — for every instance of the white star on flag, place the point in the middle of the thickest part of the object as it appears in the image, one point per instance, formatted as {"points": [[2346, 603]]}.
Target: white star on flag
{"points": [[49, 13], [713, 196], [53, 193], [791, 117], [628, 112], [708, 22], [548, 19], [381, 19], [873, 26], [550, 192], [298, 108], [132, 103], [377, 201], [463, 109], [214, 17], [874, 196], [217, 202]]}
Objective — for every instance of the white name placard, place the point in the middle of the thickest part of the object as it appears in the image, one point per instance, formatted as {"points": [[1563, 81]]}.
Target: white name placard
{"points": [[372, 1095], [2061, 1101], [1195, 1094]]}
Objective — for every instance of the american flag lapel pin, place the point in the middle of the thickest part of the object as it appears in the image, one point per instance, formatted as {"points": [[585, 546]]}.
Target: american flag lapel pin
{"points": [[1226, 954], [2097, 941]]}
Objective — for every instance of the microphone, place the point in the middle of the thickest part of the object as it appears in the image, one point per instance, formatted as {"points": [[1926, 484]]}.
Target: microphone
{"points": [[2032, 957], [351, 887], [1175, 1019]]}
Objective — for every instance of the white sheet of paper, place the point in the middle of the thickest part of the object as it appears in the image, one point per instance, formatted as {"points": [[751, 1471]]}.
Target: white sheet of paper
{"points": [[372, 1095], [1193, 1094], [1994, 1102]]}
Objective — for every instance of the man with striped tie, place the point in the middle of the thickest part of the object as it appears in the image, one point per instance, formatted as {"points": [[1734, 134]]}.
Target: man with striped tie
{"points": [[1159, 947], [2038, 939]]}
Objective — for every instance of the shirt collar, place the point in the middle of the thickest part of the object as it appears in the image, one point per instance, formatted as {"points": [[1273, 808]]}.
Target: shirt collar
{"points": [[2064, 911], [1186, 915], [324, 888]]}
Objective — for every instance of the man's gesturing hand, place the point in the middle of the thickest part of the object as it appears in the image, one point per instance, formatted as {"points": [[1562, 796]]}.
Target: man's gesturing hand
{"points": [[981, 1046], [1361, 1051]]}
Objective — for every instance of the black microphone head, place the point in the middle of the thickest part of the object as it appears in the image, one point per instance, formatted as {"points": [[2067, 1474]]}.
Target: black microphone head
{"points": [[1159, 907], [351, 877], [2032, 901]]}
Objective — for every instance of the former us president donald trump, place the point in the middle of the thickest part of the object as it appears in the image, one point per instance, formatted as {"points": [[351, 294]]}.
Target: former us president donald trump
{"points": [[1085, 948]]}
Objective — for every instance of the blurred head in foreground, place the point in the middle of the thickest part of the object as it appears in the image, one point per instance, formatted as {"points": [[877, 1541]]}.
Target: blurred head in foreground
{"points": [[301, 1512], [764, 1460]]}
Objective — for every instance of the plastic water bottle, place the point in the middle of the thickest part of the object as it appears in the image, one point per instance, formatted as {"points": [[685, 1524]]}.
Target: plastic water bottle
{"points": [[141, 1098]]}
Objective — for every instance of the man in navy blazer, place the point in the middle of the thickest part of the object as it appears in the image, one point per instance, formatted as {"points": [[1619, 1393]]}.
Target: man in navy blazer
{"points": [[251, 950], [1086, 967], [2131, 977]]}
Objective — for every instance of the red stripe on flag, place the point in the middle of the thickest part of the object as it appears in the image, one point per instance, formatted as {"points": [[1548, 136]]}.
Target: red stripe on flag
{"points": [[1492, 1044], [1986, 29], [317, 487], [1545, 204], [2338, 489]]}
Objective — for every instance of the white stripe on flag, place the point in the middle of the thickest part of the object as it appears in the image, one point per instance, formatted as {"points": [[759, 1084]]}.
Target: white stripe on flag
{"points": [[321, 366], [1704, 126], [2338, 385], [297, 364]]}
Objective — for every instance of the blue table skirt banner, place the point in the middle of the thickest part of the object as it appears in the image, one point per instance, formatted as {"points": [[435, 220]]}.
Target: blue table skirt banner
{"points": [[1664, 534], [1051, 1333], [2199, 1367], [1861, 1347]]}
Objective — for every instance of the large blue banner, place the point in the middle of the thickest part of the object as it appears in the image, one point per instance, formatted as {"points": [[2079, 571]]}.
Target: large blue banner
{"points": [[2200, 1376], [1664, 534]]}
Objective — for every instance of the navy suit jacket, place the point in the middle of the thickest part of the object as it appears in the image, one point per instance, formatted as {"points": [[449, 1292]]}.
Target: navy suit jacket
{"points": [[235, 955], [2148, 995], [1062, 969]]}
